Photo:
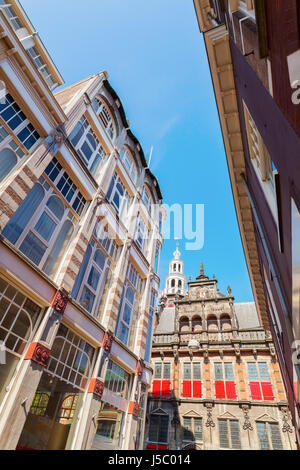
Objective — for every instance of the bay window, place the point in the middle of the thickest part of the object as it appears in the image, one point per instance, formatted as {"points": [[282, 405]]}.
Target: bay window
{"points": [[147, 199], [88, 146], [129, 163], [126, 313], [117, 380], [129, 304], [150, 325], [105, 116], [118, 196], [91, 278], [42, 227], [141, 234], [16, 120], [94, 270]]}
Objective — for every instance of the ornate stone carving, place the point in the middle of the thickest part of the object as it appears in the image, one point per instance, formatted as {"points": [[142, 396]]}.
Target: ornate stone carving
{"points": [[38, 353], [96, 387], [107, 342], [59, 302], [247, 424], [285, 418], [210, 422]]}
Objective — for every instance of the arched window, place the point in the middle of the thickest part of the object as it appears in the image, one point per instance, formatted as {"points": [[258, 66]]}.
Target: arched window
{"points": [[8, 160], [225, 322], [179, 284], [212, 323], [147, 199], [173, 283], [41, 227], [67, 408], [88, 146], [129, 163], [196, 323], [106, 118], [184, 324]]}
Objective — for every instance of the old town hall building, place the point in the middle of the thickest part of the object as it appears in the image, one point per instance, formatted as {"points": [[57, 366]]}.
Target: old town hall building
{"points": [[216, 382]]}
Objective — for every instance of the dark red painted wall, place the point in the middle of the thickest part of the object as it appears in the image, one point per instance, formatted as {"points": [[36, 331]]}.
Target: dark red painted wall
{"points": [[283, 38], [283, 145]]}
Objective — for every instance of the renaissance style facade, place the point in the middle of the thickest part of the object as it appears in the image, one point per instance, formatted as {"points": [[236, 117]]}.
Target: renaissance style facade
{"points": [[80, 240], [253, 49], [216, 382]]}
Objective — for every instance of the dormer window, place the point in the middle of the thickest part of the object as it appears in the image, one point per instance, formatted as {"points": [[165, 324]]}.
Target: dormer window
{"points": [[105, 116]]}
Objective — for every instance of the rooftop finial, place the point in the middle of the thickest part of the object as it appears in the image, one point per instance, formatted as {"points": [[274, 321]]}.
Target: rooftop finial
{"points": [[176, 253], [201, 269]]}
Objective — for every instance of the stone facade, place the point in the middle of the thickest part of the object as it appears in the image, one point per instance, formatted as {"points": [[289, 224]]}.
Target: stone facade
{"points": [[216, 382], [80, 220]]}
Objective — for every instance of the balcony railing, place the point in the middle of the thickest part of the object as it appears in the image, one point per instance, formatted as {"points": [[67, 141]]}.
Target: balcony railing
{"points": [[215, 336]]}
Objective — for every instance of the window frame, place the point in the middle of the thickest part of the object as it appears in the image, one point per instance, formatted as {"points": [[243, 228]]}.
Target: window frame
{"points": [[229, 433], [99, 150]]}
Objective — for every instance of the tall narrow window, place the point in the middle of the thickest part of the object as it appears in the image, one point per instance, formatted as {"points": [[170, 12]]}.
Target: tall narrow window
{"points": [[229, 434], [147, 199], [161, 385], [105, 116], [158, 429], [129, 163], [269, 436], [118, 196], [259, 381], [92, 276], [224, 381], [41, 66], [150, 325], [191, 380], [88, 146]]}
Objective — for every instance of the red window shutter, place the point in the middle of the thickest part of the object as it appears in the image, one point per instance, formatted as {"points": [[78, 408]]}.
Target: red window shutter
{"points": [[267, 391], [187, 389], [197, 389], [162, 447], [152, 447], [220, 389], [165, 389], [156, 388], [255, 391], [230, 389]]}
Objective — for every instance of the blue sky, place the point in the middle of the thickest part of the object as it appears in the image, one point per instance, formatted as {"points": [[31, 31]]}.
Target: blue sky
{"points": [[156, 60]]}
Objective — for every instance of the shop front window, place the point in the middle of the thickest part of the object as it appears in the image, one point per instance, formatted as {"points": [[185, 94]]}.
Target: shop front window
{"points": [[18, 319], [109, 427]]}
